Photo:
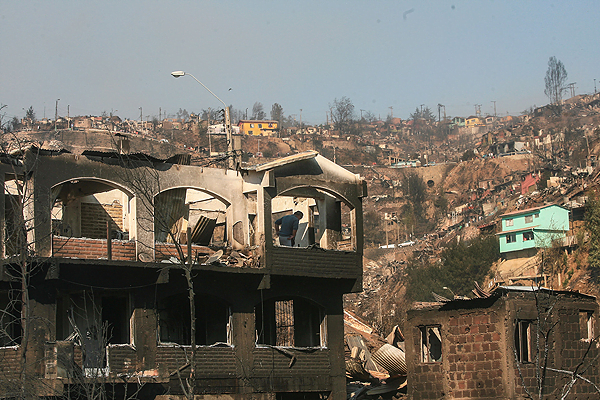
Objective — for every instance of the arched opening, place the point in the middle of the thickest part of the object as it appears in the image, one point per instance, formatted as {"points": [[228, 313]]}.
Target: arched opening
{"points": [[212, 320], [176, 210], [82, 208], [291, 322], [328, 220]]}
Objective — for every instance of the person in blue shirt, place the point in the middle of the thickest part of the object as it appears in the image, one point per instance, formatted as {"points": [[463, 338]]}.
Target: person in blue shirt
{"points": [[286, 228]]}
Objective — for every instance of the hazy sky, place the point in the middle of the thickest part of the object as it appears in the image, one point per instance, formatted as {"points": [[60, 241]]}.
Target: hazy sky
{"points": [[100, 56]]}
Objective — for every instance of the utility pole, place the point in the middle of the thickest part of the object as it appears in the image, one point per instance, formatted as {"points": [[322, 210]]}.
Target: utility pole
{"points": [[300, 120], [56, 115], [68, 117], [572, 87]]}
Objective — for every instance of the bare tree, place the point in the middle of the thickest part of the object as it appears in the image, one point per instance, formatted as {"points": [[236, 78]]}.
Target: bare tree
{"points": [[555, 79], [258, 111], [342, 114]]}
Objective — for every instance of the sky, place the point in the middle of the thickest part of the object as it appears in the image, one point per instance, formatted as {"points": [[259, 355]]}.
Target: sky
{"points": [[387, 57]]}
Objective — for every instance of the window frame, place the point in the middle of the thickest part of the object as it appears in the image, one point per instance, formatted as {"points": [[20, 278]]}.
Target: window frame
{"points": [[586, 325], [511, 238], [509, 222], [524, 340], [427, 332], [529, 236], [529, 219]]}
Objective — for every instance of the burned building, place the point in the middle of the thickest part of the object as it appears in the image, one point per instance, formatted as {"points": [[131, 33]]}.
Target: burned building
{"points": [[106, 256], [504, 346]]}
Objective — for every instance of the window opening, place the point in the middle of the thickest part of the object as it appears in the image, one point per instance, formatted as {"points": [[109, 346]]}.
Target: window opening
{"points": [[509, 222], [10, 319], [528, 219], [512, 238], [586, 324], [524, 341], [527, 236], [212, 320], [289, 322], [431, 344]]}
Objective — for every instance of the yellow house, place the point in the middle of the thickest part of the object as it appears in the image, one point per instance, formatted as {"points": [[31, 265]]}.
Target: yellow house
{"points": [[260, 127], [473, 121]]}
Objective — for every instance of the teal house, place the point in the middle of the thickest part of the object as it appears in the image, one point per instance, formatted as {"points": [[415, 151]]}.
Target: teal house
{"points": [[526, 231]]}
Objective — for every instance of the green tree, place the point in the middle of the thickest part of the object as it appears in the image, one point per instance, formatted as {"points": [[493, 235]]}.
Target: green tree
{"points": [[415, 191], [592, 224], [30, 114], [460, 265]]}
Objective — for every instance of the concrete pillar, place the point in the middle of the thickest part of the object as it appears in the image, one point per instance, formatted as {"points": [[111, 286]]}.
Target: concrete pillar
{"points": [[243, 339], [335, 343], [265, 226], [144, 337], [330, 222], [144, 230], [37, 213], [72, 219]]}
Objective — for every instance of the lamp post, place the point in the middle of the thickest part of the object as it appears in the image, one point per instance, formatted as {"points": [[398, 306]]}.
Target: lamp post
{"points": [[177, 74], [450, 290]]}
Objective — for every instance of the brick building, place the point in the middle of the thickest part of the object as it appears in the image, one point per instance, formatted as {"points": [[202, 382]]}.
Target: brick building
{"points": [[106, 236], [486, 348]]}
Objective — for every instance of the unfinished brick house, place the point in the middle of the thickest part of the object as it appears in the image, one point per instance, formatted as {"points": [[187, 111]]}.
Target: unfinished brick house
{"points": [[486, 348], [108, 297]]}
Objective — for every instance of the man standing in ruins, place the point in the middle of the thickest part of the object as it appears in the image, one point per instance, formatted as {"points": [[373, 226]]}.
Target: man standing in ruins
{"points": [[286, 228]]}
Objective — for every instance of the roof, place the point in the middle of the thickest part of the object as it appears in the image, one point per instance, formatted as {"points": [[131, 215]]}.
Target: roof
{"points": [[528, 228], [528, 210], [259, 121], [306, 155]]}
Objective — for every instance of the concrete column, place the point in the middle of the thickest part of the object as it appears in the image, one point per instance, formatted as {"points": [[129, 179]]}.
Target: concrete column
{"points": [[37, 213], [144, 231], [72, 219], [335, 343], [144, 337], [265, 226], [243, 339], [330, 222]]}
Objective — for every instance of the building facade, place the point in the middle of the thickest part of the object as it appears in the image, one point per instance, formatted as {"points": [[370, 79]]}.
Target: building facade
{"points": [[525, 231], [258, 127], [102, 239], [488, 348]]}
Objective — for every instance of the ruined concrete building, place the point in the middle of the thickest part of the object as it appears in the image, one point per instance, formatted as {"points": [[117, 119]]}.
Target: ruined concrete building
{"points": [[93, 286], [496, 347]]}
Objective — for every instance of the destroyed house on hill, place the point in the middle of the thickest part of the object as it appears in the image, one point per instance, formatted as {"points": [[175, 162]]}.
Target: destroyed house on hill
{"points": [[114, 246], [494, 347]]}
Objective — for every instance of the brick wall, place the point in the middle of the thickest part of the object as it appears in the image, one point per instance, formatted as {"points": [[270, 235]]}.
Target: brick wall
{"points": [[475, 356], [92, 248], [94, 217], [9, 365], [211, 362], [122, 359], [316, 262], [567, 350]]}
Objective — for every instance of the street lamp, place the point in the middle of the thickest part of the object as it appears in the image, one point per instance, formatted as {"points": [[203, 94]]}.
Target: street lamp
{"points": [[450, 290], [177, 74]]}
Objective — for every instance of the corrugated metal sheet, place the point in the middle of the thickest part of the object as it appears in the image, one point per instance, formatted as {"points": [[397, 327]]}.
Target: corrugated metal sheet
{"points": [[391, 358]]}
